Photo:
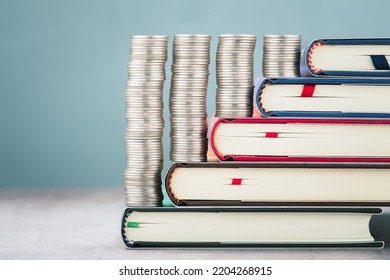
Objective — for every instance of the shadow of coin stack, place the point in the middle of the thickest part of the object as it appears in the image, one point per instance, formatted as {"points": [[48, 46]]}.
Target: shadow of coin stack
{"points": [[145, 123], [188, 94], [234, 97]]}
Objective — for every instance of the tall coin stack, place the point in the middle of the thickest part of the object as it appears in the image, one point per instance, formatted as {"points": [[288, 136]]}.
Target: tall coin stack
{"points": [[188, 95], [281, 55], [145, 123], [235, 75]]}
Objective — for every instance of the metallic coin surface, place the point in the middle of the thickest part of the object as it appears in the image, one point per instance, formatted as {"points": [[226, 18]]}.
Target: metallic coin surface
{"points": [[145, 122], [234, 75], [188, 97], [281, 56]]}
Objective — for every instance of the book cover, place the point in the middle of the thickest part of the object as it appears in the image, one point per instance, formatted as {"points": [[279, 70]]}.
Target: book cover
{"points": [[278, 184], [302, 140], [319, 97], [248, 227], [347, 57]]}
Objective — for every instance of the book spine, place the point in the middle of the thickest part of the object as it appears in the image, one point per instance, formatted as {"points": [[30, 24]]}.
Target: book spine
{"points": [[212, 140], [306, 67], [168, 177], [129, 243], [259, 104]]}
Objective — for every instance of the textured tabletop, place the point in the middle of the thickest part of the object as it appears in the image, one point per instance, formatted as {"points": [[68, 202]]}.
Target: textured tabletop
{"points": [[85, 224]]}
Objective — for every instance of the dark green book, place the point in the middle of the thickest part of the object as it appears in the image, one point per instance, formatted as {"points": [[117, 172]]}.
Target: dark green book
{"points": [[248, 227]]}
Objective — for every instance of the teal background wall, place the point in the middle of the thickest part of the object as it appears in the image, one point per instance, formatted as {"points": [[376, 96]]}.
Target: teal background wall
{"points": [[63, 69]]}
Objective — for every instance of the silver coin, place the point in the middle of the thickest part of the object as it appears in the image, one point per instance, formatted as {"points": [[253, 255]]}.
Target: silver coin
{"points": [[137, 163], [136, 175], [190, 93], [145, 182], [138, 189], [190, 106], [182, 111], [189, 148], [286, 37], [185, 142], [143, 200], [147, 194], [134, 122], [177, 145], [150, 100], [150, 37], [191, 128], [196, 37], [235, 75], [186, 159], [281, 56], [145, 123], [197, 110], [145, 169], [142, 187], [189, 83]]}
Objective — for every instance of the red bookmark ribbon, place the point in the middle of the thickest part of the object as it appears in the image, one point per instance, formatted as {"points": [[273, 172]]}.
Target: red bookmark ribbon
{"points": [[271, 135], [308, 90], [236, 181]]}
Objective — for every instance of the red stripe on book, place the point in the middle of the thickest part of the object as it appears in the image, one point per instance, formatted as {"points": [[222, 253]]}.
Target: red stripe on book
{"points": [[271, 134], [308, 90], [236, 181]]}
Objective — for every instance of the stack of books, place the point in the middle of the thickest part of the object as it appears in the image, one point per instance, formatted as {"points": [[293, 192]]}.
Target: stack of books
{"points": [[311, 172]]}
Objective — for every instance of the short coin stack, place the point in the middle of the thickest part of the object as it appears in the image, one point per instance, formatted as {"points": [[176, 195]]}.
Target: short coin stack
{"points": [[281, 55], [235, 75], [145, 123], [188, 94]]}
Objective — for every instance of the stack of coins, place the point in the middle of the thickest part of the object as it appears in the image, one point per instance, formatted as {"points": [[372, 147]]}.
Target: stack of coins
{"points": [[235, 75], [281, 55], [145, 123], [187, 102]]}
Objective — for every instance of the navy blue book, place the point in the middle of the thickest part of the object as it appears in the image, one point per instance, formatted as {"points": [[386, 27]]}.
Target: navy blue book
{"points": [[347, 57], [320, 97]]}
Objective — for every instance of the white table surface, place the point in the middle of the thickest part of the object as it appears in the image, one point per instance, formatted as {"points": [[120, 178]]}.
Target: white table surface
{"points": [[84, 223]]}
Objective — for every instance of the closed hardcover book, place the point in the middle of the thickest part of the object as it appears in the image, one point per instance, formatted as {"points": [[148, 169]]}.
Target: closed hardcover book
{"points": [[278, 184], [248, 227], [302, 140], [319, 97], [347, 57]]}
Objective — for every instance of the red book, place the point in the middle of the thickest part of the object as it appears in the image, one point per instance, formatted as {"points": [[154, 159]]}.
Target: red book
{"points": [[302, 140]]}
